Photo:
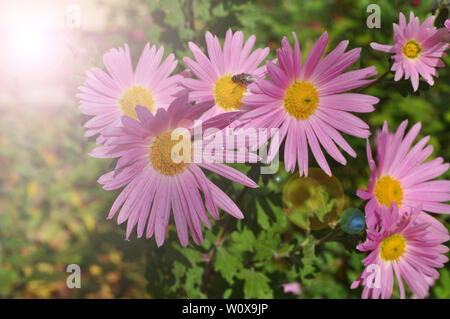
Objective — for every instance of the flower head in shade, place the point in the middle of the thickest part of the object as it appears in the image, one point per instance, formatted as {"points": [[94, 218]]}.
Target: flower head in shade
{"points": [[308, 104], [215, 72], [108, 96], [155, 183], [403, 246], [417, 49], [400, 175]]}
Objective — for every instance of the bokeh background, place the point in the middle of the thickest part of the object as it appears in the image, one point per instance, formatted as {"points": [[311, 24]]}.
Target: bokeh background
{"points": [[53, 212]]}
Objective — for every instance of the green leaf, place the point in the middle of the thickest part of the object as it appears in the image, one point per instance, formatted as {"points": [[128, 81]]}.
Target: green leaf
{"points": [[7, 279], [442, 289], [193, 282], [178, 272], [262, 218], [175, 17], [308, 259], [219, 11], [326, 207], [266, 245], [227, 264], [243, 241], [256, 284], [227, 293]]}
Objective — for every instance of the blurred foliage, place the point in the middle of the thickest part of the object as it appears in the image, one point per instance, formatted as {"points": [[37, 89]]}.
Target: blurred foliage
{"points": [[53, 213]]}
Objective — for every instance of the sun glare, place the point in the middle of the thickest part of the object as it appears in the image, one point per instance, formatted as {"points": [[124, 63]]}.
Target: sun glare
{"points": [[31, 47], [29, 44]]}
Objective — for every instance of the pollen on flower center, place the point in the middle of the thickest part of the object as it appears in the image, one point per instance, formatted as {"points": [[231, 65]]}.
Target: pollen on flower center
{"points": [[392, 248], [136, 95], [301, 100], [412, 49], [228, 94], [161, 155], [388, 189]]}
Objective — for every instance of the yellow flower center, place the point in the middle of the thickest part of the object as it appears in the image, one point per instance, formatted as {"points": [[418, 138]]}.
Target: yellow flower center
{"points": [[228, 94], [301, 100], [392, 248], [136, 95], [412, 49], [388, 190], [162, 154]]}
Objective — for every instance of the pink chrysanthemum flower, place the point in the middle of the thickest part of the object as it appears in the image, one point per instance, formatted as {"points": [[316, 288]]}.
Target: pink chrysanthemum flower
{"points": [[447, 24], [307, 103], [215, 73], [155, 183], [293, 288], [403, 177], [109, 96], [418, 49], [402, 246]]}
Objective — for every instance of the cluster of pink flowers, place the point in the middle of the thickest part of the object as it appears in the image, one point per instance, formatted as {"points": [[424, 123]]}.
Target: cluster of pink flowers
{"points": [[401, 236], [136, 111]]}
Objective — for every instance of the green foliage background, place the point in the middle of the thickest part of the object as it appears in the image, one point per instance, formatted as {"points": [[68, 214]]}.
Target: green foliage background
{"points": [[53, 213]]}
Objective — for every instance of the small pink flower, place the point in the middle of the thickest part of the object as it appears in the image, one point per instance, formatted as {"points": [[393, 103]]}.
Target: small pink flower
{"points": [[148, 19], [308, 103], [418, 49], [293, 288], [137, 34], [402, 246]]}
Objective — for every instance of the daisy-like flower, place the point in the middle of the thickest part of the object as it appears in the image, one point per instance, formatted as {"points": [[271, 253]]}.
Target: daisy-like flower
{"points": [[155, 183], [215, 83], [418, 49], [402, 246], [402, 176], [308, 105], [107, 97]]}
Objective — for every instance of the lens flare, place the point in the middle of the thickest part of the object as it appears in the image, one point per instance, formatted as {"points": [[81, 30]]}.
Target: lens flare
{"points": [[32, 46], [313, 202], [352, 221]]}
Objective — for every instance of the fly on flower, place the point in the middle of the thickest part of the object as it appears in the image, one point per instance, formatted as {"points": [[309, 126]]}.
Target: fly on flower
{"points": [[309, 104], [243, 78], [224, 74]]}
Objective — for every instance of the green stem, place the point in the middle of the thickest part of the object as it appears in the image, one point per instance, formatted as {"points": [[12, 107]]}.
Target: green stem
{"points": [[327, 237], [438, 9], [210, 257]]}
